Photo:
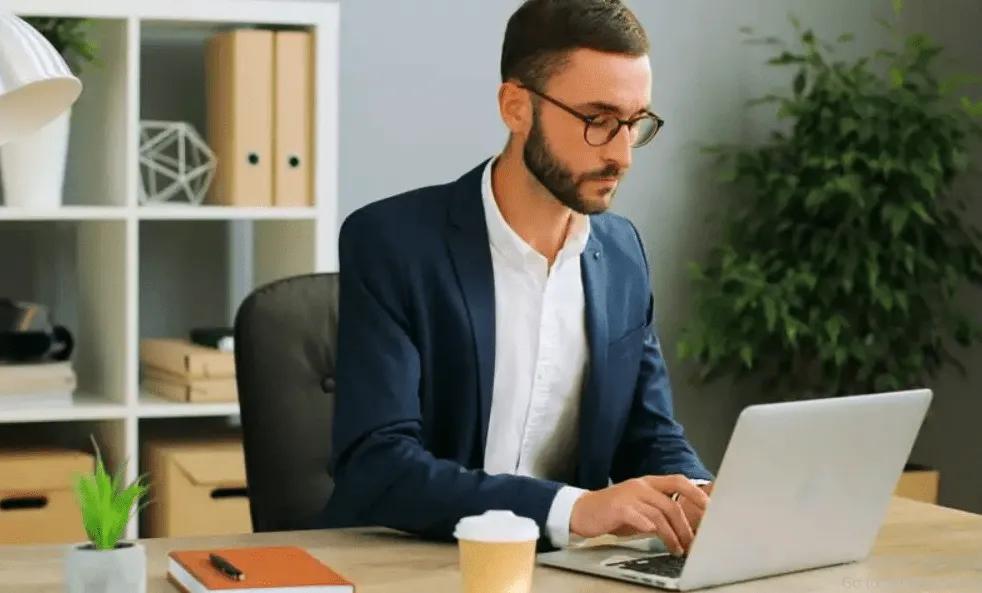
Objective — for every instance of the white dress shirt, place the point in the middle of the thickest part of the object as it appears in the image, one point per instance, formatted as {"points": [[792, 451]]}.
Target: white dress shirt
{"points": [[541, 357]]}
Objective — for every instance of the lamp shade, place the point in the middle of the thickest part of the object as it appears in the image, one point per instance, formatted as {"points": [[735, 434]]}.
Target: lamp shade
{"points": [[36, 85]]}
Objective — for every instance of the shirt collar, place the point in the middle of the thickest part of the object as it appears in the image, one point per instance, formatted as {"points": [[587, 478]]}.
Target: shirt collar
{"points": [[507, 241]]}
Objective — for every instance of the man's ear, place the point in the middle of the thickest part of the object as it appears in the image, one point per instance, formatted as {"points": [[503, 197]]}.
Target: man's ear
{"points": [[515, 106]]}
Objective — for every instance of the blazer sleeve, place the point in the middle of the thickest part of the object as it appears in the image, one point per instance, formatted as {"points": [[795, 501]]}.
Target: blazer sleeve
{"points": [[383, 475], [654, 443]]}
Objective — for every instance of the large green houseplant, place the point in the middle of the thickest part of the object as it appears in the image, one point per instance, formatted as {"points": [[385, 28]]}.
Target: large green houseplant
{"points": [[845, 243]]}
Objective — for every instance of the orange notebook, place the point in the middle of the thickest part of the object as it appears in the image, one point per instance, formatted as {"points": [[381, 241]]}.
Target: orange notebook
{"points": [[284, 569]]}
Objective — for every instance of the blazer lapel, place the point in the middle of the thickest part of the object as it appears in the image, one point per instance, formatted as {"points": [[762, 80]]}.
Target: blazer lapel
{"points": [[594, 270], [471, 254]]}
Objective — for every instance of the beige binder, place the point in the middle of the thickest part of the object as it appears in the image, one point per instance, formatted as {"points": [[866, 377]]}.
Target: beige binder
{"points": [[239, 80], [293, 109]]}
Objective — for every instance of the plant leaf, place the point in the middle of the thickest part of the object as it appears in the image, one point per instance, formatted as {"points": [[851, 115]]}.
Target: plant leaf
{"points": [[106, 504]]}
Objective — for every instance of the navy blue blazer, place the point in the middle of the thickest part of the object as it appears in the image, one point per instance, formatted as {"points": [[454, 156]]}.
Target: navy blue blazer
{"points": [[415, 367]]}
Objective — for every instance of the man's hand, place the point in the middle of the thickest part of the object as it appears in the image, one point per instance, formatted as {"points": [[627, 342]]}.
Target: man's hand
{"points": [[693, 512], [640, 506]]}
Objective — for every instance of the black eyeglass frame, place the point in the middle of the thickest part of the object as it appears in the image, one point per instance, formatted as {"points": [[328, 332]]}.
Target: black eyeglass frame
{"points": [[588, 120]]}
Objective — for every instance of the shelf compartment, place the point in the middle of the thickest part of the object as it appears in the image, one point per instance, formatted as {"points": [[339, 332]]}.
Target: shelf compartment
{"points": [[177, 52], [77, 271], [183, 277], [195, 273], [97, 165], [82, 436], [186, 429]]}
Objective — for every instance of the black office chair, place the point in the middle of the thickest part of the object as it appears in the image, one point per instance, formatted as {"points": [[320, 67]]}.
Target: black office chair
{"points": [[285, 347]]}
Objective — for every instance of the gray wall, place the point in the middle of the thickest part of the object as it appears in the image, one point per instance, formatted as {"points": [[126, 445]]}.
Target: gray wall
{"points": [[418, 93], [951, 439]]}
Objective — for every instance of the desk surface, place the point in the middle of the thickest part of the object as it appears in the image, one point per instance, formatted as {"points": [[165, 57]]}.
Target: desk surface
{"points": [[920, 548]]}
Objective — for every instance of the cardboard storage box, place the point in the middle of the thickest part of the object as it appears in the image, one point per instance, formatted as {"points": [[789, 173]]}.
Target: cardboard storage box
{"points": [[196, 488], [919, 484], [37, 499]]}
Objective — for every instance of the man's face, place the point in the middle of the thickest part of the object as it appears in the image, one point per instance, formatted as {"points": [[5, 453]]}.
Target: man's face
{"points": [[581, 176]]}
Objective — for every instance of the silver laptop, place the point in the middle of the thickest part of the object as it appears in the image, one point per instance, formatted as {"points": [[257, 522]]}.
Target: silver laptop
{"points": [[802, 485]]}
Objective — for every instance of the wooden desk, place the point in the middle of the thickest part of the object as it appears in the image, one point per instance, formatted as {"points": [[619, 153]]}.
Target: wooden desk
{"points": [[921, 547]]}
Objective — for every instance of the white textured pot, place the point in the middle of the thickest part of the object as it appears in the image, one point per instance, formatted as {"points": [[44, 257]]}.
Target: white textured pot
{"points": [[33, 166], [123, 570]]}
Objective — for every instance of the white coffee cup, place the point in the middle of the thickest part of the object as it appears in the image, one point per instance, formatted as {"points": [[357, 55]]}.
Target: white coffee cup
{"points": [[497, 552]]}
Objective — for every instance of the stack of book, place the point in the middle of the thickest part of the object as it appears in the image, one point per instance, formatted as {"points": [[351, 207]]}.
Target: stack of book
{"points": [[33, 385], [182, 371]]}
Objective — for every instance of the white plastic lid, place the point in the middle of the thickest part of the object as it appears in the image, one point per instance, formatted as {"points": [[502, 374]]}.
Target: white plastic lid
{"points": [[497, 526]]}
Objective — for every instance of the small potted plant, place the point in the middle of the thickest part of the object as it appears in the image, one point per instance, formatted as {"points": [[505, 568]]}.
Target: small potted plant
{"points": [[34, 166], [106, 563]]}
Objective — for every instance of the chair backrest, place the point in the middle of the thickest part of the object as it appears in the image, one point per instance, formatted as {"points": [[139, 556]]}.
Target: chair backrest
{"points": [[285, 348]]}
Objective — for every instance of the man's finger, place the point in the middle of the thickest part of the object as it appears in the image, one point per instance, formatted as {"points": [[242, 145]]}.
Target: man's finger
{"points": [[682, 485], [636, 522], [674, 516], [665, 531], [693, 514]]}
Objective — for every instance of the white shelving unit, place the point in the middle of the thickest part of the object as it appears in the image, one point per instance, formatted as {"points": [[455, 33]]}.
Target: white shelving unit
{"points": [[115, 272]]}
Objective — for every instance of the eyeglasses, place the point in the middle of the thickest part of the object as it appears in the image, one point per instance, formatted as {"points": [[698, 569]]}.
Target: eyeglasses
{"points": [[601, 129]]}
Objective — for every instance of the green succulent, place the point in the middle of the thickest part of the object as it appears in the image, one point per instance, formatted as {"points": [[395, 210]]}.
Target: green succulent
{"points": [[106, 504]]}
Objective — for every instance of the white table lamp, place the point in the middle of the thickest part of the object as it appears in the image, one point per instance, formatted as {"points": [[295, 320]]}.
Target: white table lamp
{"points": [[36, 85]]}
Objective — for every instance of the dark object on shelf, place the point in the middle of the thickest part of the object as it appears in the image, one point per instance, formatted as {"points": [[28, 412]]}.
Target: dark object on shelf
{"points": [[19, 316], [210, 337], [26, 334], [37, 346]]}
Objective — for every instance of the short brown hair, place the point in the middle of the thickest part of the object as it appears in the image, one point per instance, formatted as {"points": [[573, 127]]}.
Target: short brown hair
{"points": [[541, 34]]}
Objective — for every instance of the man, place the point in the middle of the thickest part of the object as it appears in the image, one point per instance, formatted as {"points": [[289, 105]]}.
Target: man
{"points": [[496, 343]]}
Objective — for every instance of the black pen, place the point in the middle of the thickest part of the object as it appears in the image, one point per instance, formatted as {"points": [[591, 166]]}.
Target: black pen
{"points": [[226, 567]]}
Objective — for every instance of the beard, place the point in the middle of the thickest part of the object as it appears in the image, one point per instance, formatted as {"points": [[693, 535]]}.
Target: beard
{"points": [[558, 179]]}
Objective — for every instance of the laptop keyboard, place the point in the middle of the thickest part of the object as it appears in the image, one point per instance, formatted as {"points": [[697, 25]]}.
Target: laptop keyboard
{"points": [[662, 565]]}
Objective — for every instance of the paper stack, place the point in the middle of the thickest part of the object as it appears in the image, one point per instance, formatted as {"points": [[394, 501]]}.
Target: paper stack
{"points": [[35, 385], [182, 371]]}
